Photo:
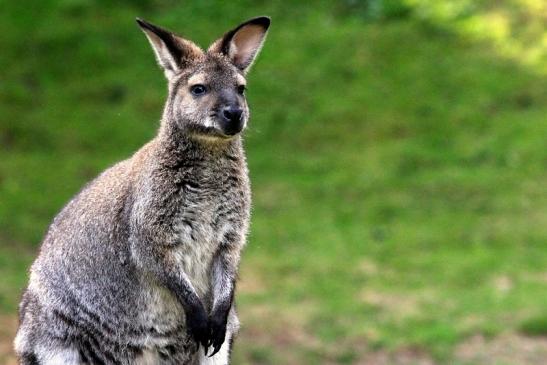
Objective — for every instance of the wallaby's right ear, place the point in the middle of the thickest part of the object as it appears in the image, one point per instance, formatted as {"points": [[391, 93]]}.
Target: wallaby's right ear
{"points": [[173, 53]]}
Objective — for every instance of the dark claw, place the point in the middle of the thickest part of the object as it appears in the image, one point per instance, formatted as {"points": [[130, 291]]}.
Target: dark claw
{"points": [[217, 325], [215, 350], [205, 348]]}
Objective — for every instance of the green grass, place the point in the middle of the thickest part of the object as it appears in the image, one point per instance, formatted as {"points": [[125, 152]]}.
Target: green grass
{"points": [[398, 161], [534, 326]]}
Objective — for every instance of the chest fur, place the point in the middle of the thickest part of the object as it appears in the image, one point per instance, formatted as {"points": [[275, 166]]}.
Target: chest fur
{"points": [[212, 204]]}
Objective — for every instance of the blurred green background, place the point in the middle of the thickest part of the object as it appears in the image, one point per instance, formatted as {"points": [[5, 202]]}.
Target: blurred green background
{"points": [[397, 151]]}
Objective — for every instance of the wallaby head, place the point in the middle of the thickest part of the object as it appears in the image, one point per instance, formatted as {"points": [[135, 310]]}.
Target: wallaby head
{"points": [[207, 88]]}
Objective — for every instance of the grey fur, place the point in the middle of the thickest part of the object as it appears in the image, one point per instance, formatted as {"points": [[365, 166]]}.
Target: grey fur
{"points": [[140, 267]]}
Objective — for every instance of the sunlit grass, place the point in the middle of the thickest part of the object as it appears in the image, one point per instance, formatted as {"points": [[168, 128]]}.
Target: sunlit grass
{"points": [[515, 28]]}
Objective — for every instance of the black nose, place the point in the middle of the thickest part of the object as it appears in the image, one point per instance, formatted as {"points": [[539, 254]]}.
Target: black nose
{"points": [[232, 114]]}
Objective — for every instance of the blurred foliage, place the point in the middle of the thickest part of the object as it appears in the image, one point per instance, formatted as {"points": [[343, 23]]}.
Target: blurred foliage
{"points": [[396, 147]]}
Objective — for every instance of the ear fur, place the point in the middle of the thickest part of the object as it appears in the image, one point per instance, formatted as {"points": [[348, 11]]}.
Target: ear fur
{"points": [[242, 44], [173, 53]]}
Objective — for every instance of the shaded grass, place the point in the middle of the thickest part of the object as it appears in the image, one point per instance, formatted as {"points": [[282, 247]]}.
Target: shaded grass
{"points": [[398, 167], [534, 326]]}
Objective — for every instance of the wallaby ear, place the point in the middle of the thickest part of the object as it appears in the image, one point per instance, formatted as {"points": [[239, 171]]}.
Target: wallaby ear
{"points": [[173, 53], [242, 44]]}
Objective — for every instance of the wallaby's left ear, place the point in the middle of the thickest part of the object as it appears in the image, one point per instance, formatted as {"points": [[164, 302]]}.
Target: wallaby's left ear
{"points": [[242, 44]]}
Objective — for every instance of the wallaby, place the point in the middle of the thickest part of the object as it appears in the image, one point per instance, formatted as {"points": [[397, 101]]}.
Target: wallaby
{"points": [[140, 266]]}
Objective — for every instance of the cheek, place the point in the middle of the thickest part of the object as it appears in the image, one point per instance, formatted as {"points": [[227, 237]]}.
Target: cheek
{"points": [[187, 105]]}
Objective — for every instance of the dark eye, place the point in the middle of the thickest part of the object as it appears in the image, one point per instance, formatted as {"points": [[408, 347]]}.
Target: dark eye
{"points": [[241, 89], [198, 90]]}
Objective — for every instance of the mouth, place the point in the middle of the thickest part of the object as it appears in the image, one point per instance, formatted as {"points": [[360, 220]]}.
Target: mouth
{"points": [[232, 129], [212, 132]]}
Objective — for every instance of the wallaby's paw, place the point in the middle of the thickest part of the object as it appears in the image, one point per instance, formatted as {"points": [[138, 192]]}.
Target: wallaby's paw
{"points": [[217, 331], [198, 326]]}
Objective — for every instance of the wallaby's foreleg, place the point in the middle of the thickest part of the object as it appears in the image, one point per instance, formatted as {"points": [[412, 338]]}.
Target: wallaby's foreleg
{"points": [[196, 315], [224, 272]]}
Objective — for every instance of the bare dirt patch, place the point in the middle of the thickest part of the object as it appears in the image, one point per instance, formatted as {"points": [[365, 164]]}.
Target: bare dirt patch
{"points": [[505, 349], [251, 282], [8, 326], [402, 306], [401, 357]]}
